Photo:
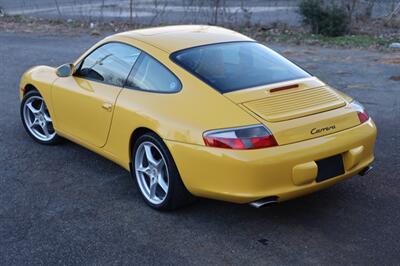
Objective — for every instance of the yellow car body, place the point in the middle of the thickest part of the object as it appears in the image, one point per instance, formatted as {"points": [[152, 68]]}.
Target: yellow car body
{"points": [[106, 119]]}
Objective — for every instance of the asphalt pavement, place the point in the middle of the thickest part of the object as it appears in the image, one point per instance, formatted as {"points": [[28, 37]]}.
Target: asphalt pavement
{"points": [[66, 205], [232, 12]]}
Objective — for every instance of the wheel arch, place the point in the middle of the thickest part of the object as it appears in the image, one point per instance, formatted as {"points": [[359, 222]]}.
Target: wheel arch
{"points": [[136, 134], [140, 131], [28, 88], [40, 79], [182, 194]]}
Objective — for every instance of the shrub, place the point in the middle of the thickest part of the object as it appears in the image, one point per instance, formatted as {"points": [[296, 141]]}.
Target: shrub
{"points": [[328, 20]]}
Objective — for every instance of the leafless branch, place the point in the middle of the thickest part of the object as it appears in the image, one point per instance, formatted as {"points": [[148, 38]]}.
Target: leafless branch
{"points": [[58, 8], [131, 11]]}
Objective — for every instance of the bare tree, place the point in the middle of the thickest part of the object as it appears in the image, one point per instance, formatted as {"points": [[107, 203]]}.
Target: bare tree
{"points": [[158, 11], [360, 8], [394, 13], [216, 11], [369, 8], [131, 11], [58, 7], [101, 10], [246, 13], [350, 6]]}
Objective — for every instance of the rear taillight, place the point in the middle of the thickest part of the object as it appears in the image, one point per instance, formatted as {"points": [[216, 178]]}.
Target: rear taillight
{"points": [[361, 112], [243, 138]]}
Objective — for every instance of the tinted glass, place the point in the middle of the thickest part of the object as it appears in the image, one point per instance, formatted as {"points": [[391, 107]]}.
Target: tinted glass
{"points": [[110, 63], [233, 66], [153, 76]]}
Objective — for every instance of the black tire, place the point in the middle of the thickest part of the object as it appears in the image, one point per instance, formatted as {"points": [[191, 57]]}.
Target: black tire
{"points": [[177, 195], [55, 139]]}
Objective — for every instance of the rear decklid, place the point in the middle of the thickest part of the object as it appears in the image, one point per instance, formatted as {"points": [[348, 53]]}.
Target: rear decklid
{"points": [[297, 110]]}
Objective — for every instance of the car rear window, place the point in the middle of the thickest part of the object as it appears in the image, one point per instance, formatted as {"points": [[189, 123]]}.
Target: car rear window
{"points": [[234, 66]]}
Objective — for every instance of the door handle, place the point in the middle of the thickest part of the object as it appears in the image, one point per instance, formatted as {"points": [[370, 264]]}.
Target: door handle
{"points": [[107, 107]]}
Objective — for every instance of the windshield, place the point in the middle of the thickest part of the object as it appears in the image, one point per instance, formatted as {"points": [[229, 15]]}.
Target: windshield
{"points": [[233, 66]]}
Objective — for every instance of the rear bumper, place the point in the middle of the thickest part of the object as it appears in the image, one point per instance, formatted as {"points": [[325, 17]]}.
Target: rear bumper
{"points": [[285, 171]]}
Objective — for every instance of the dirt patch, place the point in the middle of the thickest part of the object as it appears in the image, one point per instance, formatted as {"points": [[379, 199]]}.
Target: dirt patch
{"points": [[392, 61], [376, 27], [61, 27], [357, 86], [342, 72]]}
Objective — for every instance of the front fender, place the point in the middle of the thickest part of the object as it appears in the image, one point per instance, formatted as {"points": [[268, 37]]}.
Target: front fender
{"points": [[42, 78]]}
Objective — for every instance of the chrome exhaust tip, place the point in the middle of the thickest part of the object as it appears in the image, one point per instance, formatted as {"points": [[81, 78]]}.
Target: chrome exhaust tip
{"points": [[264, 202], [366, 170]]}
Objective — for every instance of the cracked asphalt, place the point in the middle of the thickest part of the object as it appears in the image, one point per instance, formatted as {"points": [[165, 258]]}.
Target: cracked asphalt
{"points": [[66, 205]]}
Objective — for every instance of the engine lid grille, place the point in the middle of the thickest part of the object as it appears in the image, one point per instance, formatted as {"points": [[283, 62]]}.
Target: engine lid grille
{"points": [[295, 104]]}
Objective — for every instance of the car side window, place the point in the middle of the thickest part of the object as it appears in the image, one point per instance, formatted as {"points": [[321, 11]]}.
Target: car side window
{"points": [[151, 75], [110, 63]]}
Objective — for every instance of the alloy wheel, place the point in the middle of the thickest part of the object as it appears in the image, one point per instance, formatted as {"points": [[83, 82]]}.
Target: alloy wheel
{"points": [[37, 119], [151, 172]]}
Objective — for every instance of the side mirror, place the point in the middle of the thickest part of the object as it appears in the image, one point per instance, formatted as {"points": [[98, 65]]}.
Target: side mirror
{"points": [[65, 70]]}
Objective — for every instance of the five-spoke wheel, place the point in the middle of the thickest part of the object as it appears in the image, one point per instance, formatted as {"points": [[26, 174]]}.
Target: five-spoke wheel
{"points": [[156, 174], [36, 118], [151, 172]]}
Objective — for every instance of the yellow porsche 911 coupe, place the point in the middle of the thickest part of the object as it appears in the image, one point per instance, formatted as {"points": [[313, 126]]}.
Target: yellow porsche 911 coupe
{"points": [[201, 111]]}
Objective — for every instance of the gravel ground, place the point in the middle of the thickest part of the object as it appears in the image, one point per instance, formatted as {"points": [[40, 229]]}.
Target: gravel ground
{"points": [[67, 205]]}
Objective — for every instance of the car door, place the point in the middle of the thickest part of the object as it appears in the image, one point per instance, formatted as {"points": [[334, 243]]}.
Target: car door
{"points": [[84, 103]]}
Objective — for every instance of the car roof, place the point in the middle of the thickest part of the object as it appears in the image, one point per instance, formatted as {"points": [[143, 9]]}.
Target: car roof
{"points": [[174, 38]]}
